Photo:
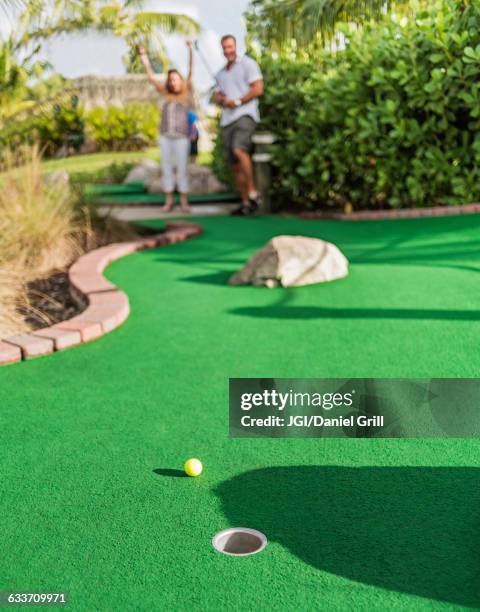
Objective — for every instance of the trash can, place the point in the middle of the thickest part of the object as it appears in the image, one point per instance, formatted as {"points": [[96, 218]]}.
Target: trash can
{"points": [[262, 159]]}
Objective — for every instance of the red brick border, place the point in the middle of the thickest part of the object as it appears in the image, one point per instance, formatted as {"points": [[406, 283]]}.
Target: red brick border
{"points": [[403, 213], [107, 306]]}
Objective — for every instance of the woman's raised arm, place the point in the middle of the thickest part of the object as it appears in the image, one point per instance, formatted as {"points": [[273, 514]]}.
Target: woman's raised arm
{"points": [[148, 68], [190, 60]]}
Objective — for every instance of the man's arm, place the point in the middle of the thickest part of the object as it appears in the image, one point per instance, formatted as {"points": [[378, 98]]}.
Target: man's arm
{"points": [[256, 91], [150, 74], [219, 98]]}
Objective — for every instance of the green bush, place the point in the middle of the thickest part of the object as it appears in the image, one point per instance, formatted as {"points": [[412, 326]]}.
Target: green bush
{"points": [[51, 127], [127, 128], [17, 133], [283, 98], [219, 165], [391, 121], [63, 126]]}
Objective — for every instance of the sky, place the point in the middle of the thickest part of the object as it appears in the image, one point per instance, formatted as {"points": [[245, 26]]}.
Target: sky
{"points": [[76, 55]]}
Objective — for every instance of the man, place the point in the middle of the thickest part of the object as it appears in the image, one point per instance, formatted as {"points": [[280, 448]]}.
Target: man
{"points": [[240, 84]]}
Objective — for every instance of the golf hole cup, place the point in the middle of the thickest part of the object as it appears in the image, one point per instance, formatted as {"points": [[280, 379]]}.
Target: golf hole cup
{"points": [[239, 541]]}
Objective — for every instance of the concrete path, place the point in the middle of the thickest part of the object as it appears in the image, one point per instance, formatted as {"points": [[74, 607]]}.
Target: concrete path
{"points": [[143, 213]]}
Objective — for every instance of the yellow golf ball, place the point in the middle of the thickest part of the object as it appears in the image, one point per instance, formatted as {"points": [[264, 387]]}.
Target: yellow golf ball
{"points": [[193, 467]]}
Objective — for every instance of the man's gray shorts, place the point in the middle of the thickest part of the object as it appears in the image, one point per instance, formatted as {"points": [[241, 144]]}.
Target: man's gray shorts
{"points": [[238, 135]]}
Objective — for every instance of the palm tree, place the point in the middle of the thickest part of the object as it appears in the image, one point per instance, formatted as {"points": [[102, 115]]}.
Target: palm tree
{"points": [[277, 22], [15, 97], [124, 18]]}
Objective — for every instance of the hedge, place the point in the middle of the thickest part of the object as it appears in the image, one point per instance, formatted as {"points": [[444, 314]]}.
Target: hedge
{"points": [[393, 120], [125, 128], [67, 126]]}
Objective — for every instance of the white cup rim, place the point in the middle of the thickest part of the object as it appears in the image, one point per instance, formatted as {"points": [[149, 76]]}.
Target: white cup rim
{"points": [[231, 530]]}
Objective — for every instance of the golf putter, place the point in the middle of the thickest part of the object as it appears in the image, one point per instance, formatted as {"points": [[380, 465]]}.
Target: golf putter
{"points": [[196, 46]]}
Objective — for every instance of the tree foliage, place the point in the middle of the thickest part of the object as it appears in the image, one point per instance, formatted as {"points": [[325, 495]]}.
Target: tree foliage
{"points": [[279, 24], [24, 88], [126, 19], [393, 120], [16, 95]]}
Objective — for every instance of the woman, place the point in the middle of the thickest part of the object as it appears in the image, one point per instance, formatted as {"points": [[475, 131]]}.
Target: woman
{"points": [[174, 129]]}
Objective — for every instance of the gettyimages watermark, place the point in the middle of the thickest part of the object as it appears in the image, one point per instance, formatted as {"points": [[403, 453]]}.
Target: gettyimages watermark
{"points": [[354, 408]]}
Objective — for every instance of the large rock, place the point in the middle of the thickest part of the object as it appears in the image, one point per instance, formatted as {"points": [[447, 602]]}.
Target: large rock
{"points": [[292, 261], [201, 178], [143, 171]]}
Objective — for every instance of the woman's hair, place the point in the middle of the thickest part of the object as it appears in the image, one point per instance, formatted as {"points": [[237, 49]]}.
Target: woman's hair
{"points": [[170, 72]]}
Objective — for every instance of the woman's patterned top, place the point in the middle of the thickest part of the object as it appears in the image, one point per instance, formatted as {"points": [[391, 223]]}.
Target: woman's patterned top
{"points": [[174, 122]]}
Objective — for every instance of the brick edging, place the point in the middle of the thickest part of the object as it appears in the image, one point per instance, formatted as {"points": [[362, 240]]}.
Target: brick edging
{"points": [[107, 306], [403, 213]]}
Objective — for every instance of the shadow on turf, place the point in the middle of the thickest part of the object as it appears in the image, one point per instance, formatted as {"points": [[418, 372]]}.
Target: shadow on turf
{"points": [[217, 278], [170, 473], [408, 529], [318, 312]]}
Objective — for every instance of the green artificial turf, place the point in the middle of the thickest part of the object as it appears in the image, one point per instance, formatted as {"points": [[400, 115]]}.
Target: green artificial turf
{"points": [[92, 440], [98, 189]]}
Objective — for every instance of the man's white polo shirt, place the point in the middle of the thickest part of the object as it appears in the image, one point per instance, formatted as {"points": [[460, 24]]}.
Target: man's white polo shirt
{"points": [[235, 83]]}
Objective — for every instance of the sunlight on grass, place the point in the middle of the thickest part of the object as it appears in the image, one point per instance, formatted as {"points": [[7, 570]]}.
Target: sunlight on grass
{"points": [[97, 161]]}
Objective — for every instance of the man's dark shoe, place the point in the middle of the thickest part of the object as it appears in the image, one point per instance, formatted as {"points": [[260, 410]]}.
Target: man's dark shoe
{"points": [[244, 210], [253, 205], [241, 211]]}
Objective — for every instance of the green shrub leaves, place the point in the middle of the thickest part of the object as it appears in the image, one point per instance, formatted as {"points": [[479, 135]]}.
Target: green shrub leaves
{"points": [[393, 120], [126, 128]]}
